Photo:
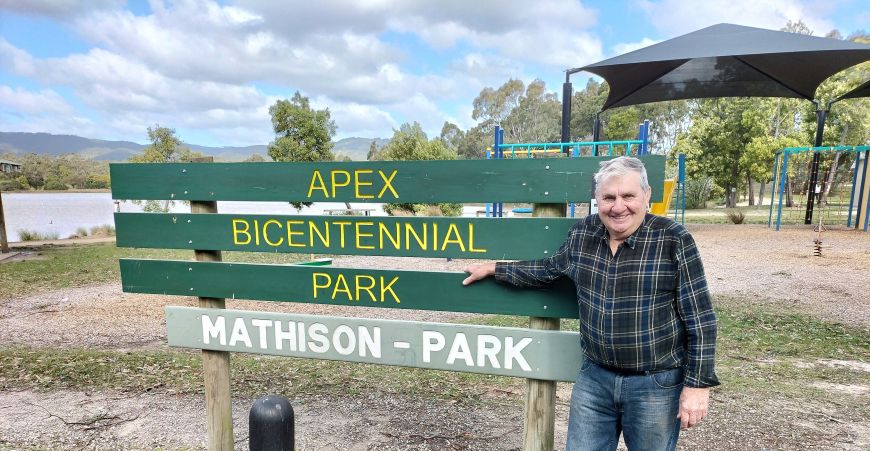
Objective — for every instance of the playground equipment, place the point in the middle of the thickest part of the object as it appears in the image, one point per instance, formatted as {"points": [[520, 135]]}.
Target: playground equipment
{"points": [[845, 174], [638, 147]]}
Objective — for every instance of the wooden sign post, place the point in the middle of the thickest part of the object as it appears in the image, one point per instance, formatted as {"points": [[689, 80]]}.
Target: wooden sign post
{"points": [[215, 364], [540, 405], [4, 244]]}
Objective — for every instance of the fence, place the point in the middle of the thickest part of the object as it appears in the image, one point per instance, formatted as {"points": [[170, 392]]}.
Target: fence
{"points": [[541, 354]]}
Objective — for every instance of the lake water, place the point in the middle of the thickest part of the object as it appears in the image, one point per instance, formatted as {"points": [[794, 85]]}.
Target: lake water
{"points": [[63, 213]]}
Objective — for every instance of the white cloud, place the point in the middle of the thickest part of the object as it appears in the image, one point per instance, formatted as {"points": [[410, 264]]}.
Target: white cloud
{"points": [[354, 119], [626, 47], [197, 64], [21, 101], [57, 8], [550, 33], [677, 17]]}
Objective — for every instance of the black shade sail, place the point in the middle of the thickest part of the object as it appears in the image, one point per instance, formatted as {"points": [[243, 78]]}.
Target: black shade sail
{"points": [[726, 60], [860, 91]]}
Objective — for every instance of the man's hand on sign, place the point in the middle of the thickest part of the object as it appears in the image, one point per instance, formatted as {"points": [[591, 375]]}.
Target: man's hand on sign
{"points": [[693, 406], [478, 272]]}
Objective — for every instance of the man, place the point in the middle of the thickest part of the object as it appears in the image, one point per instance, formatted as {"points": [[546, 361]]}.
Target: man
{"points": [[647, 327]]}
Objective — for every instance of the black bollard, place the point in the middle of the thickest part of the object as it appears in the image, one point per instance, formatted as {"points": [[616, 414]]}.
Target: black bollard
{"points": [[271, 424]]}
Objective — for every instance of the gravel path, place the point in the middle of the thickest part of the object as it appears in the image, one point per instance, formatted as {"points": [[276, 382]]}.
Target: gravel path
{"points": [[746, 265]]}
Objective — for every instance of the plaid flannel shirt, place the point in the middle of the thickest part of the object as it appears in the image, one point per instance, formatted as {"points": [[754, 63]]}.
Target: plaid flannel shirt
{"points": [[646, 308]]}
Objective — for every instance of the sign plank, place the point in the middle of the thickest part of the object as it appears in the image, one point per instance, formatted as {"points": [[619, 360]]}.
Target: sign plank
{"points": [[442, 291], [538, 354], [548, 180], [477, 238]]}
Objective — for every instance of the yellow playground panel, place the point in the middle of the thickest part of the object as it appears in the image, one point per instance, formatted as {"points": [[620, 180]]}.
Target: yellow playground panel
{"points": [[661, 208]]}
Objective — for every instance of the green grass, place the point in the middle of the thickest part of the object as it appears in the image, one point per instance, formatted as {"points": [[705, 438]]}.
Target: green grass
{"points": [[778, 353], [75, 266], [252, 375], [752, 215], [834, 215], [760, 334]]}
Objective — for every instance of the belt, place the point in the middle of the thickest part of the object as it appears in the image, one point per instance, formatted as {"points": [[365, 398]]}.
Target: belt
{"points": [[627, 372]]}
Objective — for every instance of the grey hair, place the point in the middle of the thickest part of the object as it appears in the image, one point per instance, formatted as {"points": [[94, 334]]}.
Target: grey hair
{"points": [[618, 167]]}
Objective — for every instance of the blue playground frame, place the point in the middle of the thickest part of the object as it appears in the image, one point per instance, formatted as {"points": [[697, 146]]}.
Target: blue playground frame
{"points": [[573, 149], [780, 169]]}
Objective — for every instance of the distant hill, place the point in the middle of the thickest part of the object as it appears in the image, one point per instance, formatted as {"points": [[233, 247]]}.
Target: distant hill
{"points": [[356, 148], [98, 149]]}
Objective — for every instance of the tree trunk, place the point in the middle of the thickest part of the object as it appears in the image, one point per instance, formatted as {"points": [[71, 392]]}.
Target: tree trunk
{"points": [[829, 180], [751, 192], [761, 194], [730, 197], [789, 201], [4, 244]]}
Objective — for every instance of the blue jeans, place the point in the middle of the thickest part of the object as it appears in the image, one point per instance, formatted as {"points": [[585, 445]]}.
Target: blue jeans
{"points": [[643, 408]]}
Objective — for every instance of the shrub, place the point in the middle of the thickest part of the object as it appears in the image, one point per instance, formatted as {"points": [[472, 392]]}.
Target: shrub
{"points": [[30, 235], [697, 193], [442, 209], [97, 182], [736, 216], [81, 232], [9, 183], [55, 185], [450, 209], [103, 230]]}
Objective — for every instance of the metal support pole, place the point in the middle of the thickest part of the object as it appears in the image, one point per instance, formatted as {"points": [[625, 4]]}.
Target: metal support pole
{"points": [[270, 424], [215, 364], [682, 180], [782, 178], [644, 146], [821, 114], [851, 195], [540, 403], [567, 93], [596, 133], [863, 201], [772, 189], [500, 155]]}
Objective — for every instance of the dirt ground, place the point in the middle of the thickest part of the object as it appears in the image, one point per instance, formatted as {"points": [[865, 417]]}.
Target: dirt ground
{"points": [[749, 265]]}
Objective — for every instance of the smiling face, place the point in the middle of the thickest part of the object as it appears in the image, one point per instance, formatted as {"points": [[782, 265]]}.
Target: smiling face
{"points": [[622, 204]]}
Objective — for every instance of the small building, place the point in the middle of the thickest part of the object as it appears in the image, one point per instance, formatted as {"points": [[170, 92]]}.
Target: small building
{"points": [[8, 167]]}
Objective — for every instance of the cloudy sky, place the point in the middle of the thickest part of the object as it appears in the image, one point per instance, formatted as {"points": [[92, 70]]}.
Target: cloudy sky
{"points": [[210, 69]]}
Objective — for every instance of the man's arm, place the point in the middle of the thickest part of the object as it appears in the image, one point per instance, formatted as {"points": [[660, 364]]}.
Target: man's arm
{"points": [[478, 272], [696, 310]]}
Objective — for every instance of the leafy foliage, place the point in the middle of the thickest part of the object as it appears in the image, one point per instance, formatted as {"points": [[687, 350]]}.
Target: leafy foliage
{"points": [[165, 147], [303, 134], [410, 142], [63, 172]]}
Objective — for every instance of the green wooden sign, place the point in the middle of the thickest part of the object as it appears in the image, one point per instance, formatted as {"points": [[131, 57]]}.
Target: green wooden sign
{"points": [[535, 354], [483, 238], [544, 180], [442, 291]]}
